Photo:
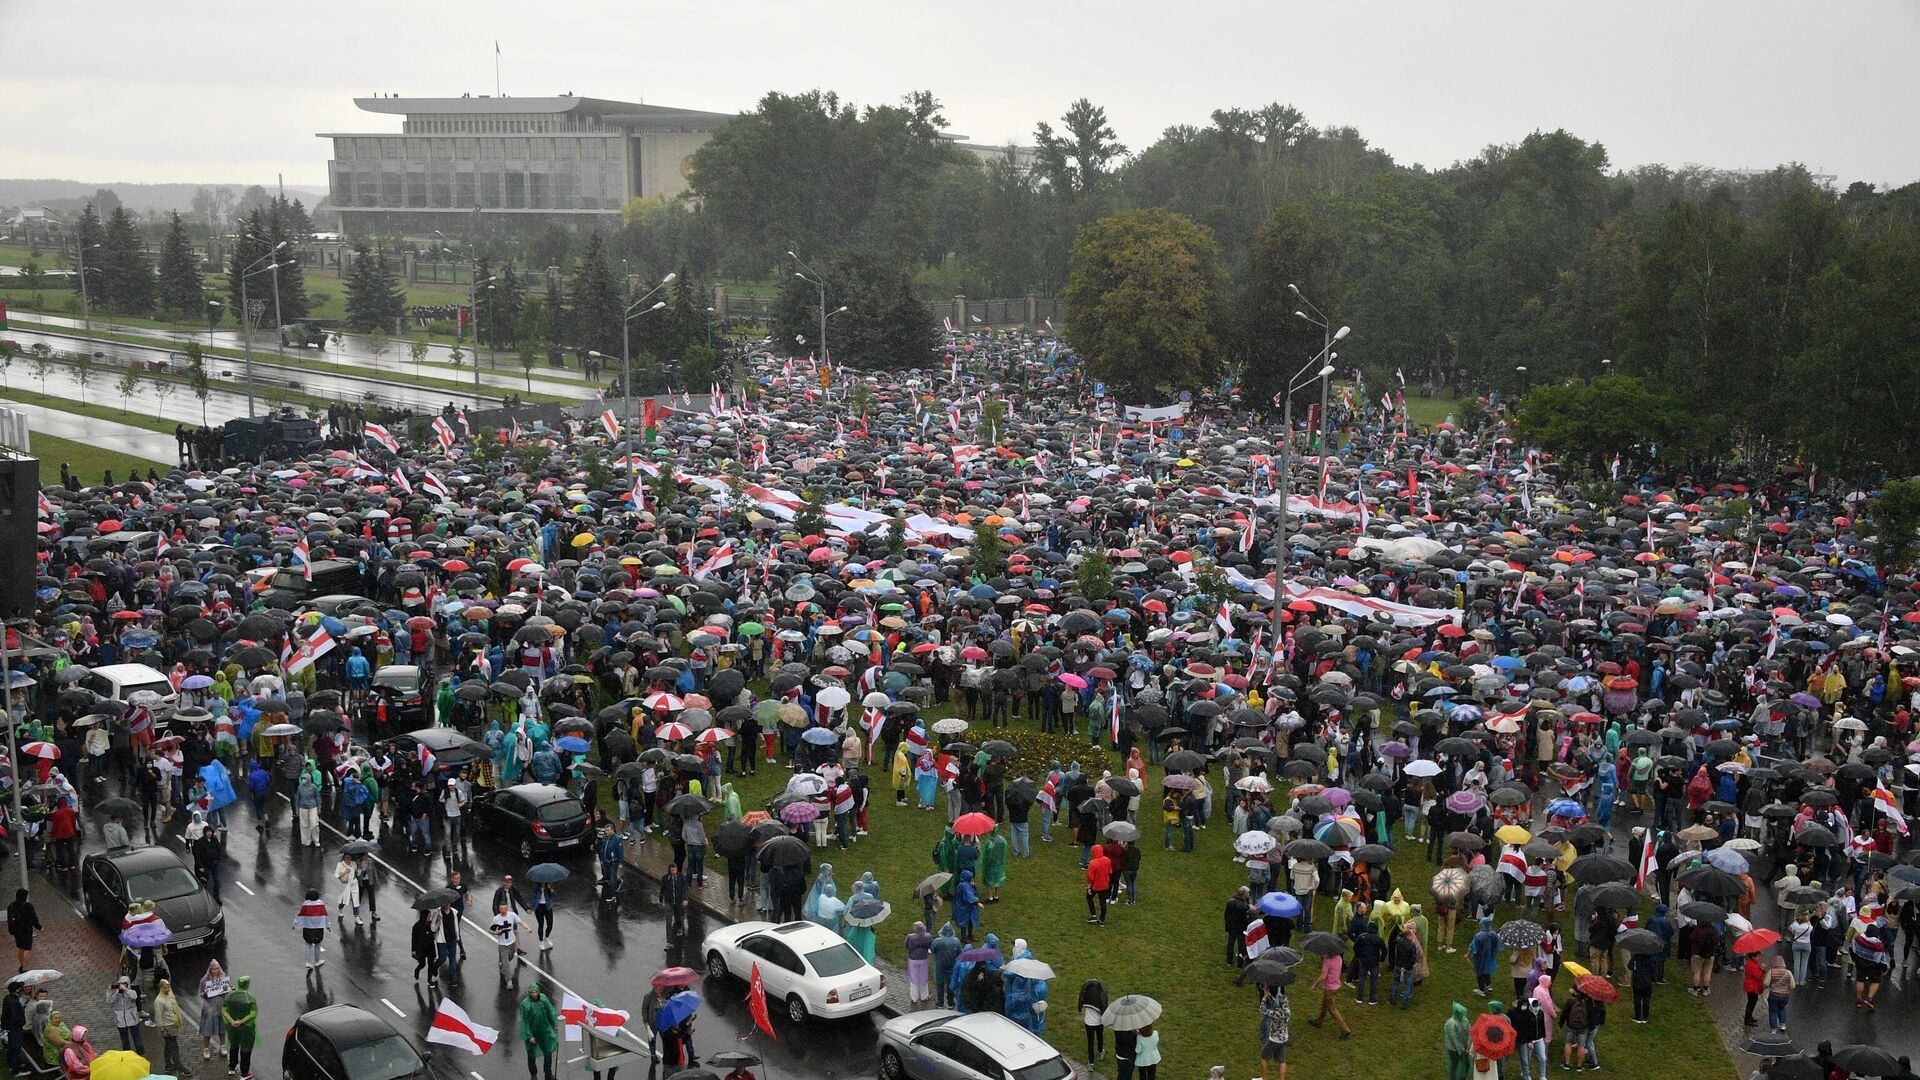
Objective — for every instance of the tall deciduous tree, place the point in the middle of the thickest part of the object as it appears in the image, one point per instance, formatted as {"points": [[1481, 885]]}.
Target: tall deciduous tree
{"points": [[182, 290], [1298, 247], [1144, 291]]}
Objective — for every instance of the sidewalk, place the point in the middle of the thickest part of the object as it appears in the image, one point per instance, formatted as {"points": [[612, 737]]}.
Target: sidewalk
{"points": [[87, 960]]}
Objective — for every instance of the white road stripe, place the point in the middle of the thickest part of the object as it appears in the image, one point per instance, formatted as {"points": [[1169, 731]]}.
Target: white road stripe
{"points": [[395, 1008], [476, 1076], [244, 889]]}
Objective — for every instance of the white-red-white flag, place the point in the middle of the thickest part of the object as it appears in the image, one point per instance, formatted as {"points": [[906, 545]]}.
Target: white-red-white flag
{"points": [[444, 432], [315, 647], [379, 434], [611, 423], [579, 1014], [453, 1027]]}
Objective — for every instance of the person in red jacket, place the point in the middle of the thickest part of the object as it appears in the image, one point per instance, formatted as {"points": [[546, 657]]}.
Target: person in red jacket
{"points": [[1754, 982], [63, 825], [1099, 884]]}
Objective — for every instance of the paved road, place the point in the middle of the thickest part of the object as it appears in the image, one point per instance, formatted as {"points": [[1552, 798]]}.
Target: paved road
{"points": [[600, 952], [356, 351], [105, 434]]}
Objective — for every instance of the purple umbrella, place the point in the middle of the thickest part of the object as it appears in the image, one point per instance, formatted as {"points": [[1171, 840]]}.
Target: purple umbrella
{"points": [[1465, 802], [1396, 750], [1182, 783], [1338, 796], [1805, 700], [799, 813], [975, 956], [146, 935]]}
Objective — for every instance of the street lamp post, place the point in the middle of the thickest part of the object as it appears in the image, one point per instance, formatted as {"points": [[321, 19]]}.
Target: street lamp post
{"points": [[213, 312], [820, 283], [1319, 319], [80, 246], [246, 311], [627, 316], [1286, 472]]}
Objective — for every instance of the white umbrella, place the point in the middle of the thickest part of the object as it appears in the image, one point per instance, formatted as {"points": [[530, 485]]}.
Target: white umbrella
{"points": [[1423, 767], [1253, 843], [1027, 968], [833, 697], [1256, 784], [952, 725]]}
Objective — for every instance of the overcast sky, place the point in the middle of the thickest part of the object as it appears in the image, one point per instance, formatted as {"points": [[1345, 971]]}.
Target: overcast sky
{"points": [[132, 90]]}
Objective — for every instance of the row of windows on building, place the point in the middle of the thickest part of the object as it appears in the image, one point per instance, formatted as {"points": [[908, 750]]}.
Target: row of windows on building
{"points": [[403, 148], [487, 190], [438, 125]]}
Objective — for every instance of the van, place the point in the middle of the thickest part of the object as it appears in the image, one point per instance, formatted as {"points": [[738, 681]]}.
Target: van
{"points": [[119, 682], [330, 576]]}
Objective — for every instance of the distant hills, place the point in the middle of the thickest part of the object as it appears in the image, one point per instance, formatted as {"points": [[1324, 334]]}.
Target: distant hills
{"points": [[139, 198]]}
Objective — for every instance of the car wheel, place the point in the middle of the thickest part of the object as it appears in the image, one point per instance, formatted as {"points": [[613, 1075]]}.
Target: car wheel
{"points": [[716, 965], [526, 849], [796, 1009], [891, 1067]]}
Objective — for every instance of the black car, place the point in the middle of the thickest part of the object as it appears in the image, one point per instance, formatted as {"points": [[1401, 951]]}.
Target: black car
{"points": [[331, 577], [111, 880], [540, 819], [404, 687], [345, 1042], [450, 749]]}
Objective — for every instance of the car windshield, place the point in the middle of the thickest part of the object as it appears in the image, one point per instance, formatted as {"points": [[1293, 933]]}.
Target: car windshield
{"points": [[1055, 1068], [162, 688], [557, 811], [399, 680], [834, 960], [390, 1058], [162, 884], [289, 580]]}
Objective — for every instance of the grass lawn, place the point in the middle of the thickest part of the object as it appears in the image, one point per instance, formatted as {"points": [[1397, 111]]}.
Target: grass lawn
{"points": [[1427, 411], [88, 461], [1171, 947]]}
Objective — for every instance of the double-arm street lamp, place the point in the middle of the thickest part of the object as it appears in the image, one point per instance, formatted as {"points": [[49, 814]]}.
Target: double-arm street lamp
{"points": [[246, 310], [1298, 381], [820, 283], [633, 311], [1319, 319]]}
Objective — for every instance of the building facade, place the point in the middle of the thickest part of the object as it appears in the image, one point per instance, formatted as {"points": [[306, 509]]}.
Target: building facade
{"points": [[569, 159]]}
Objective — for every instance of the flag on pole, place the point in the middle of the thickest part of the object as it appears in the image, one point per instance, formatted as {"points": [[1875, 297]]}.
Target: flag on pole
{"points": [[315, 647], [400, 481], [1224, 620], [304, 556], [579, 1014], [1649, 860], [720, 559], [434, 485], [1256, 937], [757, 1003], [443, 431], [425, 759], [379, 434], [1246, 537], [453, 1027], [611, 423], [1889, 808]]}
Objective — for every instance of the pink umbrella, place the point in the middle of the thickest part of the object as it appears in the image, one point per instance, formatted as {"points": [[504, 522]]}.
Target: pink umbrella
{"points": [[1073, 680]]}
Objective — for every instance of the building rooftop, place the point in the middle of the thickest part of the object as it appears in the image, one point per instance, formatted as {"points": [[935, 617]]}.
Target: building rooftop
{"points": [[629, 112]]}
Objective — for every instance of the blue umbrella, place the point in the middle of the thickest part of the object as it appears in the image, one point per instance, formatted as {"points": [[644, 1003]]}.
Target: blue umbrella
{"points": [[1566, 808], [820, 736], [1508, 662], [547, 873], [1727, 859], [332, 625], [675, 1010], [1280, 904], [572, 744]]}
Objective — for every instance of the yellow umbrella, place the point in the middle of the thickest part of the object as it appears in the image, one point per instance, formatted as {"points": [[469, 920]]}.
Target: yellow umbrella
{"points": [[1567, 855], [1512, 834], [1573, 969], [583, 539], [121, 1065]]}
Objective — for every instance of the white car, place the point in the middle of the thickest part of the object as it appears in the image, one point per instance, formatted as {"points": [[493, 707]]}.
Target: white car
{"points": [[121, 682], [805, 969], [946, 1045]]}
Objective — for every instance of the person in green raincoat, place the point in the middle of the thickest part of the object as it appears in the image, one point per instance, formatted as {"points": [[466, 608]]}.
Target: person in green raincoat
{"points": [[946, 856], [1456, 1033], [241, 1012], [443, 704], [539, 1029], [730, 801], [993, 865], [1343, 913]]}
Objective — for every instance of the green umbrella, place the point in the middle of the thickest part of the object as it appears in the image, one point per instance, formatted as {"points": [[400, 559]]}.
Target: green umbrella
{"points": [[751, 629]]}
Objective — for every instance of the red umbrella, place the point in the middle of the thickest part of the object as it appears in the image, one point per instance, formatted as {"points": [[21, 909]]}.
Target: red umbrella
{"points": [[1754, 941], [1493, 1036], [45, 751], [676, 976], [1597, 988], [974, 824]]}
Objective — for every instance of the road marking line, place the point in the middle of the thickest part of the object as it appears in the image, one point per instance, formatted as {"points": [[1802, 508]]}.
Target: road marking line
{"points": [[244, 889], [476, 1076], [395, 1008]]}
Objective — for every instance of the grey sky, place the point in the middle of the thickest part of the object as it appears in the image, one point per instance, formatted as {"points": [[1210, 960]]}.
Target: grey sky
{"points": [[236, 91]]}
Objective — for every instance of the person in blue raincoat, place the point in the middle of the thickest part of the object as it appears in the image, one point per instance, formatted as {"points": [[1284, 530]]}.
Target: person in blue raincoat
{"points": [[966, 906], [946, 946], [220, 793], [1609, 789], [545, 766], [828, 910], [926, 780], [1484, 951], [868, 885], [1024, 994], [822, 884], [963, 968], [497, 742]]}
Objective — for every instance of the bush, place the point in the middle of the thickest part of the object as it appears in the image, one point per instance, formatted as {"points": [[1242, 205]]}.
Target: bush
{"points": [[441, 328], [1038, 752]]}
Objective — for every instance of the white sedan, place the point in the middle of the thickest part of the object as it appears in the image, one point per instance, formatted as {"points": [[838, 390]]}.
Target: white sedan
{"points": [[804, 968]]}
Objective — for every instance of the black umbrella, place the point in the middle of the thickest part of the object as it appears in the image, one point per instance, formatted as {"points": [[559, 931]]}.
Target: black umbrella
{"points": [[731, 839], [547, 873], [1522, 934], [1614, 895], [1597, 868], [1307, 848], [1640, 942], [434, 899], [783, 851], [1865, 1059], [689, 805], [1321, 943], [116, 808]]}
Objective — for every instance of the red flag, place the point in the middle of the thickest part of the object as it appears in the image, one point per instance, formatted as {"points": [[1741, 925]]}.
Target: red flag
{"points": [[1413, 482], [757, 1004]]}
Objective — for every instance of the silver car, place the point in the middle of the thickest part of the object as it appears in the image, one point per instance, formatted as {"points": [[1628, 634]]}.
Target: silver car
{"points": [[945, 1045]]}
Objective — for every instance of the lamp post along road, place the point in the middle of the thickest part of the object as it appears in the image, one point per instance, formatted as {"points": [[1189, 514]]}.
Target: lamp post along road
{"points": [[631, 312], [1319, 319], [1286, 474], [246, 309], [820, 283]]}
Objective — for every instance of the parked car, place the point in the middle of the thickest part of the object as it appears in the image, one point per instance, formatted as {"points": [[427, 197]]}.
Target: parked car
{"points": [[330, 577], [404, 687], [946, 1045], [120, 682], [810, 969], [110, 880], [346, 1042], [539, 819]]}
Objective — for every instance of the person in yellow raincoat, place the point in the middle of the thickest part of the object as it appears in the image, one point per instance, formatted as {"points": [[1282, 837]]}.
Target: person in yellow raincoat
{"points": [[902, 775], [1392, 913]]}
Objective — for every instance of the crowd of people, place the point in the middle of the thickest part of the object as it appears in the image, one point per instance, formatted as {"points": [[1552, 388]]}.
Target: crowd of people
{"points": [[1672, 724]]}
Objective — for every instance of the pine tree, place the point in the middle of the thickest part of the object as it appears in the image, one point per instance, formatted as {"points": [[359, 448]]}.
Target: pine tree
{"points": [[594, 303], [374, 296], [482, 270], [90, 237], [182, 292], [250, 246], [556, 320], [503, 310], [127, 277], [293, 280]]}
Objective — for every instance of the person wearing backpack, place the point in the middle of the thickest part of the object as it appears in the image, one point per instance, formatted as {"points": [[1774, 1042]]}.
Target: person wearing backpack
{"points": [[1575, 1020]]}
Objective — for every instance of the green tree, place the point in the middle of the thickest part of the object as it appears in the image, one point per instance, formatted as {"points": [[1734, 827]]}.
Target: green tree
{"points": [[375, 299], [556, 311], [197, 377], [378, 346], [83, 371], [162, 390], [31, 276], [811, 518], [129, 382], [42, 354], [1077, 159], [700, 367], [1145, 296], [860, 401], [1586, 423], [529, 355], [877, 330], [908, 328], [665, 491], [897, 534], [1298, 246], [993, 413], [90, 255], [9, 352], [182, 291], [286, 225], [417, 351], [1093, 577], [594, 306], [127, 275], [593, 469], [1896, 517], [989, 551]]}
